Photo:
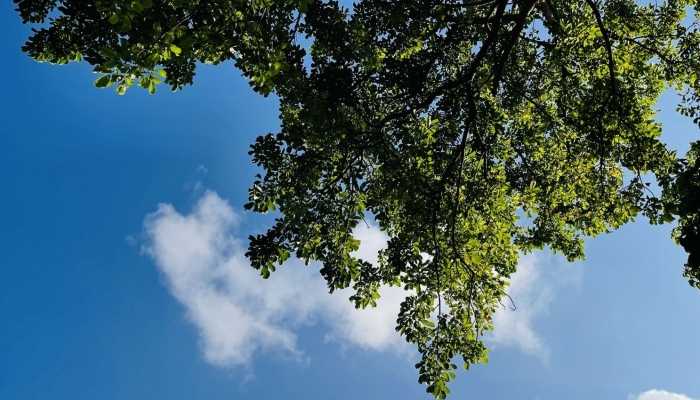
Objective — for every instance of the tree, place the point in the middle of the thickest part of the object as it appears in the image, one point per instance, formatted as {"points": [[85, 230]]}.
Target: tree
{"points": [[473, 131]]}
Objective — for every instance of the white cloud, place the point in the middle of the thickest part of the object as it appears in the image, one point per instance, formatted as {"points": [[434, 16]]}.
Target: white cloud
{"points": [[655, 394], [234, 310], [371, 328], [206, 271], [532, 290], [237, 314]]}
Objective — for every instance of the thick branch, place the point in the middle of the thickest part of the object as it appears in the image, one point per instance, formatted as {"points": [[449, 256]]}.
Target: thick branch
{"points": [[608, 47]]}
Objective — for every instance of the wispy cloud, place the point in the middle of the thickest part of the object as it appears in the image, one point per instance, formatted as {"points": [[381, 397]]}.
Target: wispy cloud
{"points": [[656, 394], [237, 314], [532, 289], [371, 328], [206, 271]]}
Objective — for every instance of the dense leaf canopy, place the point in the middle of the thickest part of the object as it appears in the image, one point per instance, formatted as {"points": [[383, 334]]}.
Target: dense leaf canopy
{"points": [[473, 131]]}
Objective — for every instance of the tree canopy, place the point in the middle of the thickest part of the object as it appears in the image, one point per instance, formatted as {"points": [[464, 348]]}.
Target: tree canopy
{"points": [[472, 131]]}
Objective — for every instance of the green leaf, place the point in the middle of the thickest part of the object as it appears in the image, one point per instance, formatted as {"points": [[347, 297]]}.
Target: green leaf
{"points": [[104, 81], [176, 50], [137, 7]]}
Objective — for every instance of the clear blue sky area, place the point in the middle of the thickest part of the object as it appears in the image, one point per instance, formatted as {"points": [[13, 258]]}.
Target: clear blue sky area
{"points": [[86, 315]]}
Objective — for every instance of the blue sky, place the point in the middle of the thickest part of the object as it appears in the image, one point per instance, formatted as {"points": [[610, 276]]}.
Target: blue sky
{"points": [[97, 302]]}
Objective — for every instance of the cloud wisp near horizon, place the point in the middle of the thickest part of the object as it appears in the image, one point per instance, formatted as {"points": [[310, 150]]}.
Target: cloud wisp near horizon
{"points": [[656, 394], [237, 314]]}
